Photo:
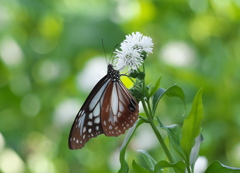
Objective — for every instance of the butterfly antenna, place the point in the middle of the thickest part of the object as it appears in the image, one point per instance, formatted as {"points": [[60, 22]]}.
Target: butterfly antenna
{"points": [[113, 51], [104, 51]]}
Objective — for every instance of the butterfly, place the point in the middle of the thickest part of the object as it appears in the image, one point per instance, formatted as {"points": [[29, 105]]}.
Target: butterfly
{"points": [[109, 109]]}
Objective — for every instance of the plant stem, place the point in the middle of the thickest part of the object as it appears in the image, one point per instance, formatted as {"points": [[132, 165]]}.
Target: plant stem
{"points": [[161, 141], [188, 169], [159, 137], [149, 108], [148, 111]]}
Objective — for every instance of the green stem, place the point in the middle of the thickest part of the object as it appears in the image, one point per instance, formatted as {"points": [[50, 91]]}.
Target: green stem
{"points": [[148, 111], [159, 137], [161, 141], [188, 169], [149, 108], [143, 91], [144, 119]]}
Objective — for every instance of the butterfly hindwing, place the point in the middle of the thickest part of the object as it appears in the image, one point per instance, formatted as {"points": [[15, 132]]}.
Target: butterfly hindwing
{"points": [[109, 109], [119, 114]]}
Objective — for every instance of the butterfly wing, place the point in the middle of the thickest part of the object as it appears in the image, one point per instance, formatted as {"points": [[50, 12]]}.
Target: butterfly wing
{"points": [[120, 109], [87, 123], [109, 109]]}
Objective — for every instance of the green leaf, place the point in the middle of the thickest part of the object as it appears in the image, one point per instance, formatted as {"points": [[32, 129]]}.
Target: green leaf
{"points": [[142, 117], [195, 150], [192, 125], [139, 169], [133, 74], [148, 159], [156, 97], [141, 75], [217, 167], [155, 88], [176, 91], [174, 135], [124, 166], [173, 91], [178, 167]]}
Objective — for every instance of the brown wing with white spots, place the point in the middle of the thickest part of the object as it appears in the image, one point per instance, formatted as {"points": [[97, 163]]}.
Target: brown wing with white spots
{"points": [[120, 110], [87, 124], [109, 109]]}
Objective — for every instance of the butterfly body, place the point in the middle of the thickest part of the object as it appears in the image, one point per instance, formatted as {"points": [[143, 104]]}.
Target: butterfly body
{"points": [[109, 109]]}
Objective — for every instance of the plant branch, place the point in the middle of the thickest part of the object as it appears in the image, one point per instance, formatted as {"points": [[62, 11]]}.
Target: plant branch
{"points": [[159, 137], [161, 141]]}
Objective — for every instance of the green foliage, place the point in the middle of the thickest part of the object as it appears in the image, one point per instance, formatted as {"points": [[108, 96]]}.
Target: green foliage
{"points": [[179, 167], [173, 91], [124, 166], [192, 126], [148, 159], [217, 167], [174, 135], [138, 168], [155, 88], [185, 140]]}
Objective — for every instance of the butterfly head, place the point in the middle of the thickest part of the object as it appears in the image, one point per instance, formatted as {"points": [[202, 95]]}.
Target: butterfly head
{"points": [[113, 74]]}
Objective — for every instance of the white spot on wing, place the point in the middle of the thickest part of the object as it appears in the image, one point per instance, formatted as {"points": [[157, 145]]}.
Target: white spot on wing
{"points": [[97, 120], [90, 116], [121, 107], [115, 118], [96, 111], [89, 130], [114, 100], [119, 114]]}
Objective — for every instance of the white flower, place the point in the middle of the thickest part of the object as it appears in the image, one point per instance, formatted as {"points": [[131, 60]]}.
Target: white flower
{"points": [[132, 51], [132, 58], [138, 41]]}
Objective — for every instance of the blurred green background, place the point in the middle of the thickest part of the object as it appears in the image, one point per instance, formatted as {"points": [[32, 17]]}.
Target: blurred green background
{"points": [[51, 55]]}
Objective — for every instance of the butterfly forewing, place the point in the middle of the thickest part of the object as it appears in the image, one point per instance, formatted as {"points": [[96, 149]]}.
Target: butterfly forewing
{"points": [[109, 109], [87, 124]]}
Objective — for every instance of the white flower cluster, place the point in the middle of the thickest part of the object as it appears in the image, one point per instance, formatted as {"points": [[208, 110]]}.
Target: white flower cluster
{"points": [[132, 51]]}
